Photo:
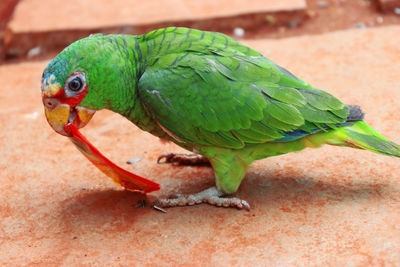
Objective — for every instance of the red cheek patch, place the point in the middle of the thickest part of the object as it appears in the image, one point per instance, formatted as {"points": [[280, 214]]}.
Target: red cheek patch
{"points": [[73, 101], [130, 181]]}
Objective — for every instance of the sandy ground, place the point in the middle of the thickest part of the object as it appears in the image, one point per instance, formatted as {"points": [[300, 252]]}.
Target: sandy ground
{"points": [[331, 206]]}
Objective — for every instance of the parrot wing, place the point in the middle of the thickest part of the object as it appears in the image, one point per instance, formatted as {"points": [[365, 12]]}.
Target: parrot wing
{"points": [[231, 100]]}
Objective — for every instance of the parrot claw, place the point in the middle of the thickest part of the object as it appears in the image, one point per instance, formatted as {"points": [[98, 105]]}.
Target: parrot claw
{"points": [[183, 159], [211, 196]]}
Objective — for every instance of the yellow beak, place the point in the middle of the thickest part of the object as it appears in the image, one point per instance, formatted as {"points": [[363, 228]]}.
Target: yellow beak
{"points": [[58, 115]]}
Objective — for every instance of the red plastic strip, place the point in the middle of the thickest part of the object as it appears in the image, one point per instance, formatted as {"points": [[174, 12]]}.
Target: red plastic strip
{"points": [[130, 181]]}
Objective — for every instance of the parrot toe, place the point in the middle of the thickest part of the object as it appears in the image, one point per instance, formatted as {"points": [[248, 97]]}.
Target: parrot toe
{"points": [[210, 196], [183, 159]]}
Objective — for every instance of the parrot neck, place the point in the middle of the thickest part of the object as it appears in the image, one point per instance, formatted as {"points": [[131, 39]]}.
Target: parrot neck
{"points": [[123, 94], [121, 74]]}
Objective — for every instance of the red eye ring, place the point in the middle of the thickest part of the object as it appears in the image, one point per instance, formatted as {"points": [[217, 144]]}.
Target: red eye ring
{"points": [[75, 84]]}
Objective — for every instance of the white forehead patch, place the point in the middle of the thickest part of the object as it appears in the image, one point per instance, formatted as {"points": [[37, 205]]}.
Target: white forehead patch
{"points": [[49, 86]]}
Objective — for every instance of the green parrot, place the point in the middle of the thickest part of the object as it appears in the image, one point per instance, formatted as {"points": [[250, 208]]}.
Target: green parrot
{"points": [[205, 92]]}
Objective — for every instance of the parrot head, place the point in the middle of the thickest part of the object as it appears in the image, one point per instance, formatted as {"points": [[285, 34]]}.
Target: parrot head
{"points": [[65, 84], [61, 99], [80, 80]]}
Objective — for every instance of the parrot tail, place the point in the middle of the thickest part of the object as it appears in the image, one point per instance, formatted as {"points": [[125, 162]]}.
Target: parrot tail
{"points": [[361, 135], [358, 135]]}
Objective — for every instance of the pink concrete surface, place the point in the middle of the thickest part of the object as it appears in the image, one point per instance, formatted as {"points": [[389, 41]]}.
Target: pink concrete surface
{"points": [[332, 206], [48, 15], [389, 5], [49, 25], [6, 10]]}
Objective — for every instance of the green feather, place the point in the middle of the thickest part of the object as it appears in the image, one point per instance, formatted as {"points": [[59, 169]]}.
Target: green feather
{"points": [[321, 100], [284, 112], [320, 116]]}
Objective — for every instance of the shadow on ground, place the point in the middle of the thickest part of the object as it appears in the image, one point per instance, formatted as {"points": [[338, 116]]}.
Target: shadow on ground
{"points": [[99, 207]]}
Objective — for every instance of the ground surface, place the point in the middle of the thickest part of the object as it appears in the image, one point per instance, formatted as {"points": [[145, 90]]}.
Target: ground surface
{"points": [[331, 206]]}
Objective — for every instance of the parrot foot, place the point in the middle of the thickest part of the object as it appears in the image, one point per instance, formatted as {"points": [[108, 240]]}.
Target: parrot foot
{"points": [[211, 196], [183, 159]]}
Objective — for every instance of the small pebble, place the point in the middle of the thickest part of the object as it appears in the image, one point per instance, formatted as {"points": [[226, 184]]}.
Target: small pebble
{"points": [[271, 19], [322, 4], [311, 13], [397, 11], [293, 24], [31, 116], [379, 20], [133, 160], [361, 25], [34, 51], [238, 32]]}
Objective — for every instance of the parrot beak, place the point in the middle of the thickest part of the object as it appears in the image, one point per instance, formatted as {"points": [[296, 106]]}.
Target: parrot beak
{"points": [[58, 115]]}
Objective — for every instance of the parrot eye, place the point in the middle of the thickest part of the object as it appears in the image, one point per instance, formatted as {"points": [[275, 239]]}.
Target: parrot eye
{"points": [[75, 83]]}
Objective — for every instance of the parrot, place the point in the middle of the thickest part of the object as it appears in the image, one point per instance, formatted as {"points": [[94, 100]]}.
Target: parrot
{"points": [[219, 99]]}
